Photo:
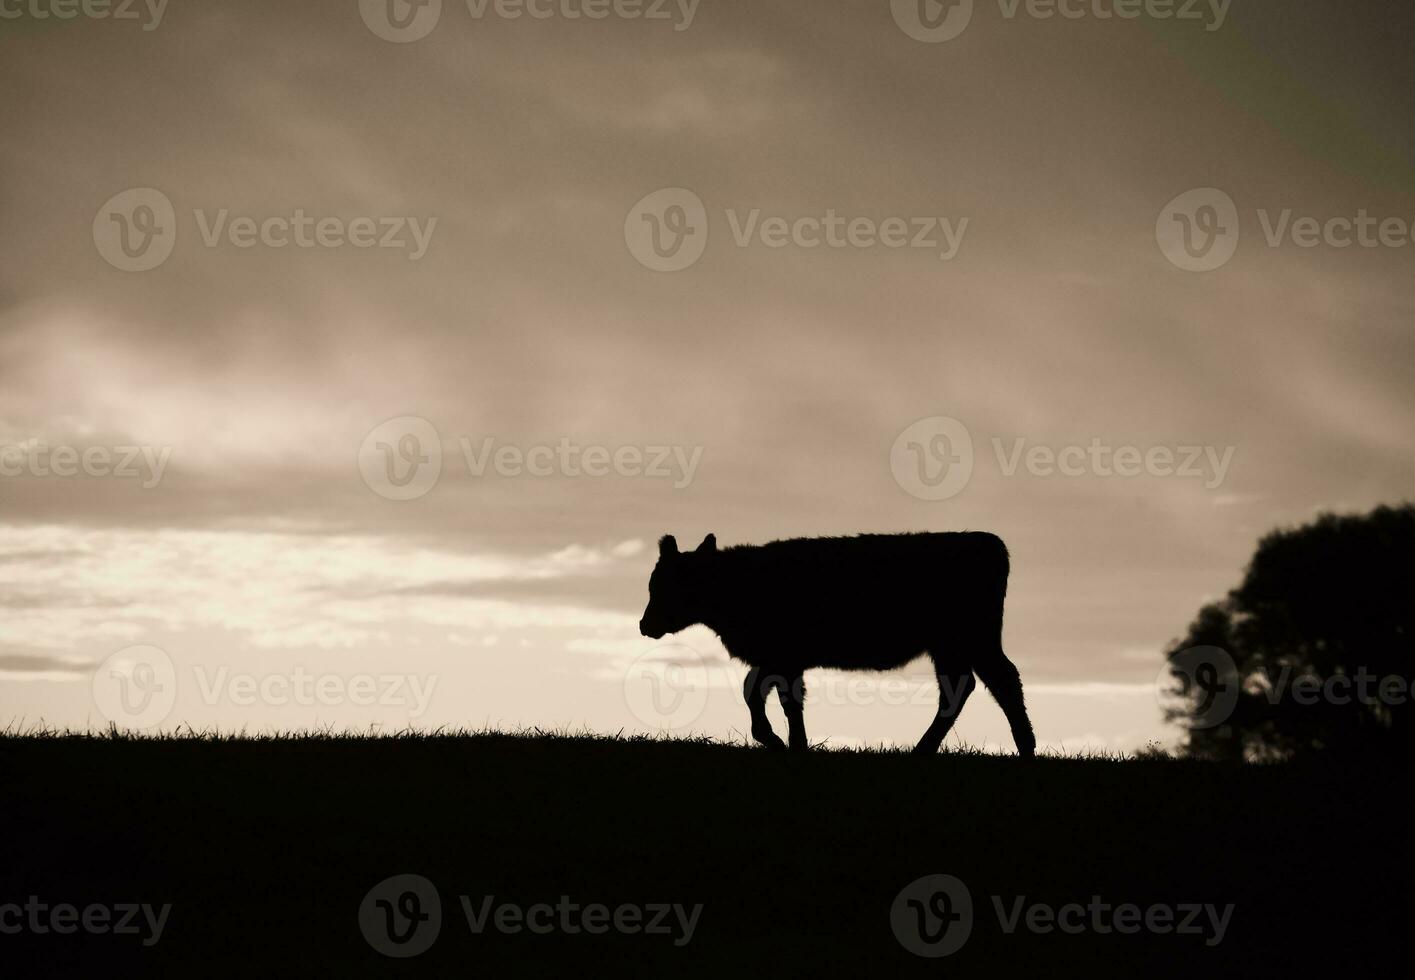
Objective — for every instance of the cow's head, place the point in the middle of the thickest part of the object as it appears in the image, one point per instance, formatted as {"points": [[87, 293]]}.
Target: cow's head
{"points": [[676, 587]]}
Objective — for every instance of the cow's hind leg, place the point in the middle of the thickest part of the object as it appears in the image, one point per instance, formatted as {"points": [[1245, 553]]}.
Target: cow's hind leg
{"points": [[955, 683], [1001, 677], [755, 690], [792, 692]]}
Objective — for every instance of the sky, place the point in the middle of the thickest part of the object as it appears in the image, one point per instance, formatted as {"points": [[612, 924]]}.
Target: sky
{"points": [[350, 371]]}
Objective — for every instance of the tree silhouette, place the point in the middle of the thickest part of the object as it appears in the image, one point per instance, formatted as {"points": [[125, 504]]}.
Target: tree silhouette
{"points": [[1320, 636]]}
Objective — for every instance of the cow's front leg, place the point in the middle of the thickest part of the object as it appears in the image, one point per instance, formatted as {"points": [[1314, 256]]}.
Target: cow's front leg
{"points": [[954, 686], [792, 692], [755, 690]]}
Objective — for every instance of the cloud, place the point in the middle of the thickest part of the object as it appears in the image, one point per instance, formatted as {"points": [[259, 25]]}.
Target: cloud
{"points": [[86, 588], [28, 667]]}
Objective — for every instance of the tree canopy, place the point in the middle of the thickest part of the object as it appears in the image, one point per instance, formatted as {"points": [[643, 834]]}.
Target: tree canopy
{"points": [[1313, 651]]}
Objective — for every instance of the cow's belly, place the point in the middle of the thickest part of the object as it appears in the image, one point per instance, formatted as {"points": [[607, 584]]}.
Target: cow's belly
{"points": [[872, 657], [840, 649]]}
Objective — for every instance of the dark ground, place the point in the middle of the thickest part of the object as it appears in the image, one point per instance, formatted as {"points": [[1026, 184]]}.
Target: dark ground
{"points": [[267, 848]]}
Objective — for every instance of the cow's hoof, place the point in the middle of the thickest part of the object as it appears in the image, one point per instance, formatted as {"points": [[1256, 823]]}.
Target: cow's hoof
{"points": [[923, 750], [771, 741]]}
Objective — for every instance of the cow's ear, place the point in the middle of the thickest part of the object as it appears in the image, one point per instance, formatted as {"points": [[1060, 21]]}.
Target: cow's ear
{"points": [[667, 546], [709, 543]]}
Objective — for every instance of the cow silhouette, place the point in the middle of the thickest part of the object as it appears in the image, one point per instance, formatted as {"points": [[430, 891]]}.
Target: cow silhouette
{"points": [[869, 602]]}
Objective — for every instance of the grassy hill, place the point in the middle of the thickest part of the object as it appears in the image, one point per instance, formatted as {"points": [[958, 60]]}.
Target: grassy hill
{"points": [[266, 848]]}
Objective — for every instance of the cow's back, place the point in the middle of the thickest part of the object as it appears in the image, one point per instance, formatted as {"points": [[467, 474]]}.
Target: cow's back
{"points": [[881, 596]]}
